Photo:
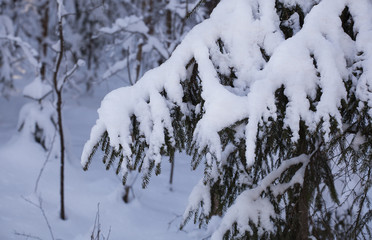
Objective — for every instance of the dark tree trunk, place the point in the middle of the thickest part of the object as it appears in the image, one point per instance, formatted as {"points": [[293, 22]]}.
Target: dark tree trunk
{"points": [[58, 90], [171, 173], [302, 205], [44, 44], [297, 226], [62, 141]]}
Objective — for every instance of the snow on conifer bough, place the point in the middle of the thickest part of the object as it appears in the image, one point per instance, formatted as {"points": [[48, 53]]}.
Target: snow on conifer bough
{"points": [[274, 97]]}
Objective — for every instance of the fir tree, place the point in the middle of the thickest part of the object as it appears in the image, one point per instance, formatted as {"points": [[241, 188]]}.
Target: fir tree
{"points": [[274, 99]]}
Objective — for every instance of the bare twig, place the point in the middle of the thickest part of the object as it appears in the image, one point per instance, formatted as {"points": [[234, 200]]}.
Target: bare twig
{"points": [[27, 236], [69, 73], [174, 219], [138, 61], [58, 92], [45, 162], [129, 188], [197, 6], [40, 207], [96, 232], [108, 235]]}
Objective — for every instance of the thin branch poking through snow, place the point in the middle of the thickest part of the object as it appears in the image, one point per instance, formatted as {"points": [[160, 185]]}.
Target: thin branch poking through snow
{"points": [[27, 236], [45, 162], [40, 207], [96, 232], [177, 216]]}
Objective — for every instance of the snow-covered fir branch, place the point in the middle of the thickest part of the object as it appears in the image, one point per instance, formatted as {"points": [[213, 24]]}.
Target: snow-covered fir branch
{"points": [[255, 84]]}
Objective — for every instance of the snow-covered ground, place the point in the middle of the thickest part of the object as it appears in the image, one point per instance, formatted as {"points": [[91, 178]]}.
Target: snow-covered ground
{"points": [[155, 213]]}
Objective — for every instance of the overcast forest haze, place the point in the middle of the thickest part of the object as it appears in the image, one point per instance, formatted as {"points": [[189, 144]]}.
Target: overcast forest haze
{"points": [[185, 119]]}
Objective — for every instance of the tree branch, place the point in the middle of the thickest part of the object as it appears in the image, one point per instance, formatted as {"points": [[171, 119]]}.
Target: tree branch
{"points": [[45, 162], [40, 207]]}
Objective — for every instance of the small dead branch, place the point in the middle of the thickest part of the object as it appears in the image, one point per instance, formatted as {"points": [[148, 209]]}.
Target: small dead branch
{"points": [[96, 232], [40, 207], [45, 162], [27, 236], [174, 219]]}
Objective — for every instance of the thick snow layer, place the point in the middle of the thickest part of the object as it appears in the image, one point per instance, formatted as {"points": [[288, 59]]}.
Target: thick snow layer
{"points": [[361, 11], [200, 193], [245, 27], [35, 117], [37, 89], [129, 24], [320, 56]]}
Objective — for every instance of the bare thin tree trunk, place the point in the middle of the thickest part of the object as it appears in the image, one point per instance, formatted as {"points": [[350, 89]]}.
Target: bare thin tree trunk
{"points": [[58, 91], [138, 61], [62, 179]]}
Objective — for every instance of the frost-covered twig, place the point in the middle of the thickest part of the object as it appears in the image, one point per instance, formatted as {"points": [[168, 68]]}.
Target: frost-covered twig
{"points": [[118, 66], [131, 24], [29, 51], [69, 73]]}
